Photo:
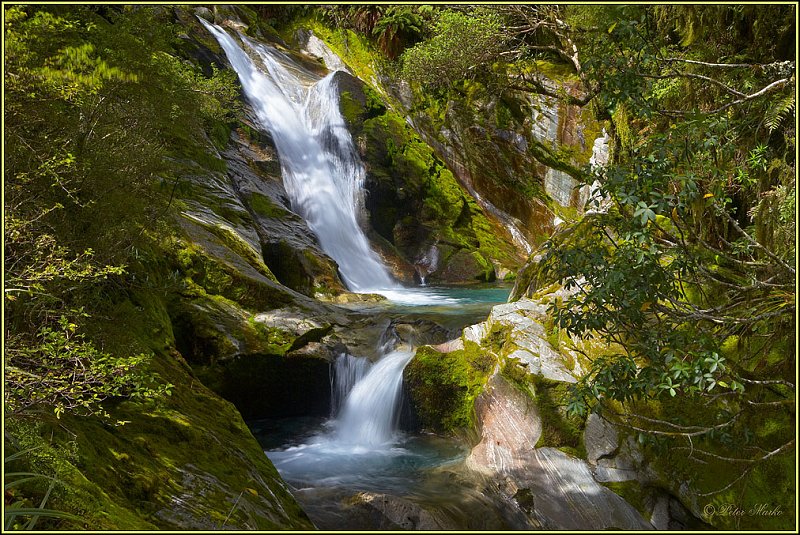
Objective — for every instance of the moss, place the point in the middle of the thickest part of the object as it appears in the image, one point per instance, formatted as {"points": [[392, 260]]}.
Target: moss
{"points": [[633, 493], [443, 386], [235, 242], [220, 133], [770, 482], [263, 206], [558, 429], [414, 198], [351, 108], [133, 476], [204, 274]]}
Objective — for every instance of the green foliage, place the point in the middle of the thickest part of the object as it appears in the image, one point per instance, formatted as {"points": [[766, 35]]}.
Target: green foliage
{"points": [[98, 107], [695, 248], [398, 26], [18, 513], [461, 43], [60, 369], [393, 27]]}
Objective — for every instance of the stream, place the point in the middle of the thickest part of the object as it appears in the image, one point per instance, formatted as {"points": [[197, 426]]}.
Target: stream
{"points": [[358, 469], [361, 453]]}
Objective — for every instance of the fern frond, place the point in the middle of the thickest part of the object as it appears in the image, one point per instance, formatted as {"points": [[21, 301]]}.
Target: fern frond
{"points": [[778, 112]]}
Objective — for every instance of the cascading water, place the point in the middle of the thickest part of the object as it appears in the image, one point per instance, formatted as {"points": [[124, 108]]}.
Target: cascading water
{"points": [[346, 372], [370, 414], [321, 170], [360, 448]]}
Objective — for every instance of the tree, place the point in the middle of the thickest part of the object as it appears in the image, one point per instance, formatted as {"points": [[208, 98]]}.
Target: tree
{"points": [[98, 111], [689, 277], [462, 43]]}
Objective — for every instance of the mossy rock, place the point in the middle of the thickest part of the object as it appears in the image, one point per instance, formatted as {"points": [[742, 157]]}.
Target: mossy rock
{"points": [[466, 266], [443, 386], [303, 269], [191, 444], [559, 430]]}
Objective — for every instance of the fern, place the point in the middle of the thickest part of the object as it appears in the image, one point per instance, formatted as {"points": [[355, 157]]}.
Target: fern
{"points": [[778, 112]]}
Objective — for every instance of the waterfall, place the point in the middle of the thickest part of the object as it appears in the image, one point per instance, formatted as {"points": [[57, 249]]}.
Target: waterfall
{"points": [[322, 172], [371, 412], [346, 371]]}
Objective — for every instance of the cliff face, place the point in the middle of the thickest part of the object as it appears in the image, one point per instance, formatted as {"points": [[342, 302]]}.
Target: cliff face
{"points": [[516, 158]]}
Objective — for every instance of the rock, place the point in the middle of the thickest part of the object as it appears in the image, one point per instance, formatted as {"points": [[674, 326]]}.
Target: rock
{"points": [[475, 333], [314, 46], [204, 13], [553, 489], [465, 266], [285, 242], [420, 332], [399, 513], [189, 462], [612, 459], [450, 345], [568, 496], [509, 428], [349, 298], [527, 340], [668, 513], [600, 438]]}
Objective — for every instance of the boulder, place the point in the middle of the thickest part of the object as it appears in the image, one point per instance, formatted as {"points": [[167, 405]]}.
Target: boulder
{"points": [[554, 489]]}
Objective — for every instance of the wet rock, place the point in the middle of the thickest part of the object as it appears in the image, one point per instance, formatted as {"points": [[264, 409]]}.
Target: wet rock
{"points": [[285, 242], [554, 489], [420, 332], [509, 428], [314, 46], [398, 513]]}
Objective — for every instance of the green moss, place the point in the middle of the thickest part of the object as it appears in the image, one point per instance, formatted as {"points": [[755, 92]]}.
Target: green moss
{"points": [[352, 110], [633, 493], [354, 49], [414, 194], [220, 133], [558, 429], [129, 476], [263, 206], [204, 274], [444, 386]]}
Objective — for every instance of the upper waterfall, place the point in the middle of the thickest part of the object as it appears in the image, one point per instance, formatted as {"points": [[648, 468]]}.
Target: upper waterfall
{"points": [[322, 172]]}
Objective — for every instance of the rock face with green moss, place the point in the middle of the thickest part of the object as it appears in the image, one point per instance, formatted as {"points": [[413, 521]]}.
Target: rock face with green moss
{"points": [[521, 152], [496, 384], [523, 438]]}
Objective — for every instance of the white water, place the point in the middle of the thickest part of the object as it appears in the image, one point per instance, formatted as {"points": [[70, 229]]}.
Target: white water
{"points": [[322, 172], [371, 413], [346, 371], [362, 444]]}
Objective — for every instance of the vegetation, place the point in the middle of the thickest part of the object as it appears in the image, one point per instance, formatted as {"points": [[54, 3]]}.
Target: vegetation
{"points": [[685, 274], [101, 110], [690, 271], [73, 77], [444, 386]]}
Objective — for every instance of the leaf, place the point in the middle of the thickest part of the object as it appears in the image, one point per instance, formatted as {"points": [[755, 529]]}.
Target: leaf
{"points": [[708, 195], [35, 511]]}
